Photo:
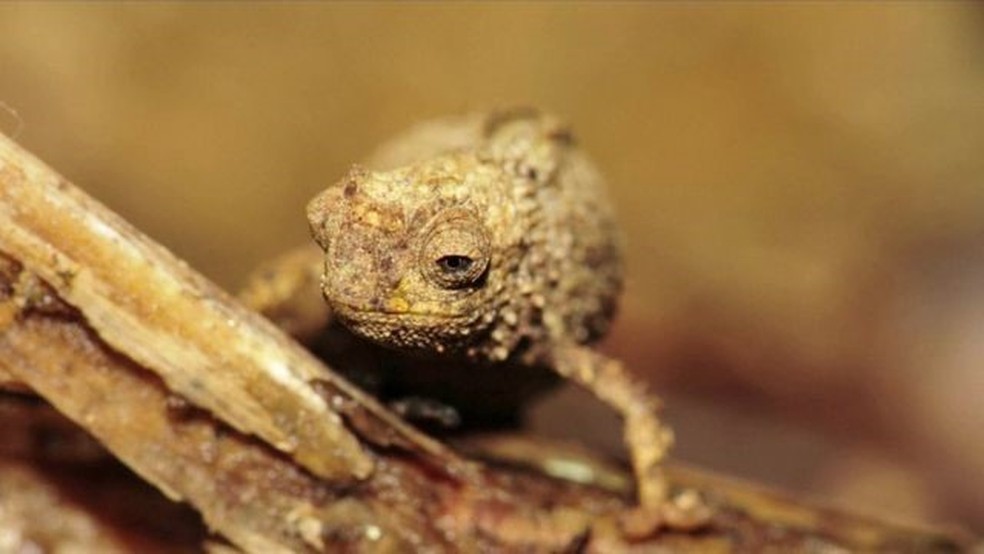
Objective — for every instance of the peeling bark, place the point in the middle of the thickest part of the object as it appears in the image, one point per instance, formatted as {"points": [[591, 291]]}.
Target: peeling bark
{"points": [[215, 406]]}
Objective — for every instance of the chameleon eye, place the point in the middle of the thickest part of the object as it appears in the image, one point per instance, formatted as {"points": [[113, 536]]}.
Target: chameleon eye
{"points": [[455, 251], [454, 263]]}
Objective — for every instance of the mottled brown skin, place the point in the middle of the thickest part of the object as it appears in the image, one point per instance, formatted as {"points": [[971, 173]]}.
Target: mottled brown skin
{"points": [[488, 240]]}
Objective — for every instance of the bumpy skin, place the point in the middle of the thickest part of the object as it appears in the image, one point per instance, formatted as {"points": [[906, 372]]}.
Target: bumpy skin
{"points": [[488, 241], [494, 251]]}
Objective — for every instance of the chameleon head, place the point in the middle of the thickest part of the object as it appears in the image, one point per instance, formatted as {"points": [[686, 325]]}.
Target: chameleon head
{"points": [[408, 255]]}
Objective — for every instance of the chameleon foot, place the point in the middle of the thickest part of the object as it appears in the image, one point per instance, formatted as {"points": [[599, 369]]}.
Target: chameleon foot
{"points": [[684, 512]]}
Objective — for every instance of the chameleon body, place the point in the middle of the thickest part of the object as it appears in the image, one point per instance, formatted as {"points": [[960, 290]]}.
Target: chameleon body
{"points": [[495, 251], [488, 240]]}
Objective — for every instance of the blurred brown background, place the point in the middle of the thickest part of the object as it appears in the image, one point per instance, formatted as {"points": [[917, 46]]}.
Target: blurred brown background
{"points": [[800, 186]]}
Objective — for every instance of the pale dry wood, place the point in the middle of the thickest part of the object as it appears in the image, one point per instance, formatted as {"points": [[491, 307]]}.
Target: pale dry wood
{"points": [[145, 302], [131, 344], [243, 490]]}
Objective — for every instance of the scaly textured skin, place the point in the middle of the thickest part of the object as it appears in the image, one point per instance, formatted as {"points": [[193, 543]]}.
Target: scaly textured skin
{"points": [[489, 239]]}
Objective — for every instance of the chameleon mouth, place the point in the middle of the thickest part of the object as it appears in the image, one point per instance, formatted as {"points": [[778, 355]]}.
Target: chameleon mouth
{"points": [[351, 312], [411, 331]]}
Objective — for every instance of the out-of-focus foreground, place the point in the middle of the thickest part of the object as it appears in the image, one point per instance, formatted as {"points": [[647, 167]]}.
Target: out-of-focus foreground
{"points": [[800, 186]]}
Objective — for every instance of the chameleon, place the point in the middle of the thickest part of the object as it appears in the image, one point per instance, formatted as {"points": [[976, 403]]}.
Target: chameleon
{"points": [[486, 244]]}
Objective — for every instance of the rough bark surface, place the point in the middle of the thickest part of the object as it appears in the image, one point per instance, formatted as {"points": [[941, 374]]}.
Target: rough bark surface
{"points": [[216, 407]]}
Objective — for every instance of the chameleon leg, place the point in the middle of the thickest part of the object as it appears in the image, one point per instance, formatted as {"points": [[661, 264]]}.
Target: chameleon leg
{"points": [[287, 290], [645, 436], [647, 439]]}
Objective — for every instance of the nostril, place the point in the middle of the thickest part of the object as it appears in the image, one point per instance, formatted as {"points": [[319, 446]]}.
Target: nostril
{"points": [[393, 281]]}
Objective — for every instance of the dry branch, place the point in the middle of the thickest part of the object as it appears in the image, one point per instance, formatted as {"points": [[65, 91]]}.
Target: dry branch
{"points": [[215, 406]]}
